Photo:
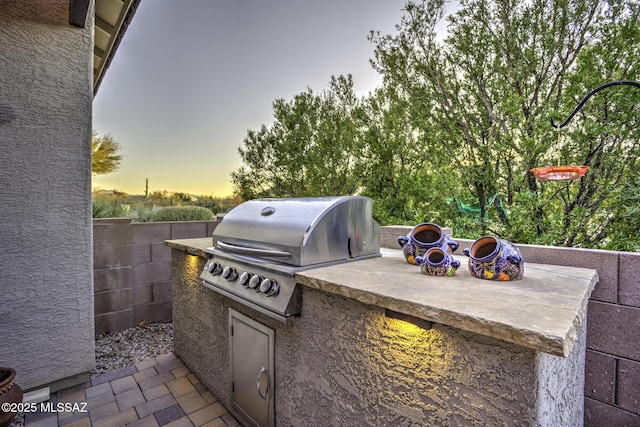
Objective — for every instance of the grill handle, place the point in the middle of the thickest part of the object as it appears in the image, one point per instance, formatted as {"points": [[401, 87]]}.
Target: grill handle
{"points": [[252, 251], [263, 372]]}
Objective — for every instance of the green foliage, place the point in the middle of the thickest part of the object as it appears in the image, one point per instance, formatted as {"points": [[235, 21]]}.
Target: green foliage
{"points": [[140, 212], [181, 213], [107, 209], [104, 154], [625, 234], [141, 209], [309, 150], [465, 118], [480, 95]]}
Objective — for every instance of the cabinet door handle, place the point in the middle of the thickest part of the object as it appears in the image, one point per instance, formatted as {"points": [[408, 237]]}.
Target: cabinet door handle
{"points": [[262, 372]]}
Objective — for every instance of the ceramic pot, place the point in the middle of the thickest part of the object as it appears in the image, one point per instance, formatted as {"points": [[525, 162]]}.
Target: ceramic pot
{"points": [[424, 237], [491, 258], [10, 392], [437, 262]]}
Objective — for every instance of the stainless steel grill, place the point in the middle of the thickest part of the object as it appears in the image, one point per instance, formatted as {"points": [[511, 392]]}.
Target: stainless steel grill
{"points": [[260, 245]]}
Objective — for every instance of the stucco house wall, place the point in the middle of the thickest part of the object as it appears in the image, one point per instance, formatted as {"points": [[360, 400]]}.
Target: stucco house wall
{"points": [[46, 270]]}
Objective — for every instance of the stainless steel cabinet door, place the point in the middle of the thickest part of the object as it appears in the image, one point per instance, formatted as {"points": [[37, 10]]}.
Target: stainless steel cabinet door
{"points": [[252, 352]]}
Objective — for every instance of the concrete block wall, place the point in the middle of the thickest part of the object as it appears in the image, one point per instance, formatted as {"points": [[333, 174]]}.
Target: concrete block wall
{"points": [[112, 274], [612, 371], [132, 270]]}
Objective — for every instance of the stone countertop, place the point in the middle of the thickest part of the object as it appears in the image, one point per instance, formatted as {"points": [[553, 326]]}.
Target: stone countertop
{"points": [[195, 247], [543, 311]]}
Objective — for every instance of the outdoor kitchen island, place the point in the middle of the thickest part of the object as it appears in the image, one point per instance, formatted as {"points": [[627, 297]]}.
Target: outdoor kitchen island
{"points": [[472, 352]]}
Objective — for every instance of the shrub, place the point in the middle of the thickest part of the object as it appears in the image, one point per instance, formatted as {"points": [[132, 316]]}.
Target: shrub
{"points": [[107, 209], [97, 209], [140, 212], [181, 213]]}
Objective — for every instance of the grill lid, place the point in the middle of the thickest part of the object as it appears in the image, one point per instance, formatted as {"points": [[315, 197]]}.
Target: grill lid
{"points": [[301, 231]]}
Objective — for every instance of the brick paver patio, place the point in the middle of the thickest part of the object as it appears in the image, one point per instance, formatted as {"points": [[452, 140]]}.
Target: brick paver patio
{"points": [[156, 392]]}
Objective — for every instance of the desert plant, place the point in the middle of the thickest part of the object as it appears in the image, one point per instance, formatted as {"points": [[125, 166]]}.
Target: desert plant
{"points": [[97, 209], [104, 153], [181, 213], [140, 212], [107, 208]]}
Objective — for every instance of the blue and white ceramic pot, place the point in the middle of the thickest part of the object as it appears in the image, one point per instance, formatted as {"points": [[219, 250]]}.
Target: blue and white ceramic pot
{"points": [[491, 258], [423, 237], [437, 262]]}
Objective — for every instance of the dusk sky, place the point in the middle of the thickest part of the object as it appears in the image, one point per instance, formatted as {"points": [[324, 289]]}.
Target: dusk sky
{"points": [[191, 77]]}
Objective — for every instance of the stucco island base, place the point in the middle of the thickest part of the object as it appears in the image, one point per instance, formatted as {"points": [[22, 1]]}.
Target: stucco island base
{"points": [[342, 362]]}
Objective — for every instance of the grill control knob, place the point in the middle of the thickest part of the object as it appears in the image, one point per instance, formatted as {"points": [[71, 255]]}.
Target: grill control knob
{"points": [[215, 268], [269, 287], [255, 281], [230, 274], [244, 278]]}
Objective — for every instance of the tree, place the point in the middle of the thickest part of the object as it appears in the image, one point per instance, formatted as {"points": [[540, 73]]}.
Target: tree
{"points": [[104, 154], [309, 149], [605, 135], [458, 123], [395, 167], [482, 97]]}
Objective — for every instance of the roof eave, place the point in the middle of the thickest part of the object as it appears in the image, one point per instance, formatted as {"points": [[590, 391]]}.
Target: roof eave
{"points": [[116, 33]]}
